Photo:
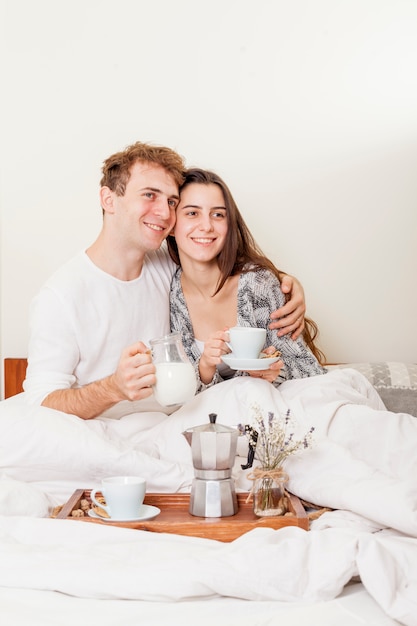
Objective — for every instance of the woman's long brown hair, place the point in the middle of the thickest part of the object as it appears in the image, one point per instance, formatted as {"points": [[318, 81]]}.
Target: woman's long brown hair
{"points": [[240, 253]]}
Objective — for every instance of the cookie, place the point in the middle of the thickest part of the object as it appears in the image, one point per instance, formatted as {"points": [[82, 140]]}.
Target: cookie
{"points": [[270, 355]]}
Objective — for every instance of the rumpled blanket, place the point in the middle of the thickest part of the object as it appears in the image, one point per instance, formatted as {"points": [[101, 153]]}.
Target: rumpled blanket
{"points": [[363, 465], [289, 565]]}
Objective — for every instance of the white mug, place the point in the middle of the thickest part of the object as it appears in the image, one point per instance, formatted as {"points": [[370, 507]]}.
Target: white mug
{"points": [[246, 342], [124, 496]]}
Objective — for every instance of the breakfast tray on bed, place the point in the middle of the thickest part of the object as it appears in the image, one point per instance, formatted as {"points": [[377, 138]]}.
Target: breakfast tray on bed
{"points": [[175, 518]]}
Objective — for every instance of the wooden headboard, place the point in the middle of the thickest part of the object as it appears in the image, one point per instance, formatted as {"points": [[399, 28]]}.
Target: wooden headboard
{"points": [[14, 375]]}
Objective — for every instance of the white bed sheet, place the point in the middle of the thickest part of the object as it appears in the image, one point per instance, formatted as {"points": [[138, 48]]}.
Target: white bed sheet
{"points": [[364, 465], [28, 607]]}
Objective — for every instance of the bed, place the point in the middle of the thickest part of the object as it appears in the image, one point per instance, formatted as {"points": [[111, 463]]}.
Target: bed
{"points": [[357, 564]]}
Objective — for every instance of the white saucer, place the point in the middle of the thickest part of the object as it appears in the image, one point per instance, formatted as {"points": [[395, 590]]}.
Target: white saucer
{"points": [[249, 364], [147, 512]]}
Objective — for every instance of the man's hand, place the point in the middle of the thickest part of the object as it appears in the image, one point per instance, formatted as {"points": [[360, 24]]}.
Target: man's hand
{"points": [[135, 373], [132, 380], [290, 317]]}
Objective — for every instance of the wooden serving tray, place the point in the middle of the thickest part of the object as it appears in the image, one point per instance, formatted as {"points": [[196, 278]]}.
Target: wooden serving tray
{"points": [[175, 518]]}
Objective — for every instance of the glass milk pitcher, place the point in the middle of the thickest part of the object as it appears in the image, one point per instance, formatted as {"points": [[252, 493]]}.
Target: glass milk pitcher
{"points": [[175, 376]]}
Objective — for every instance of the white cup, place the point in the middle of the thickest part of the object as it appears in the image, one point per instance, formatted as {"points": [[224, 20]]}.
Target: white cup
{"points": [[246, 342], [124, 496]]}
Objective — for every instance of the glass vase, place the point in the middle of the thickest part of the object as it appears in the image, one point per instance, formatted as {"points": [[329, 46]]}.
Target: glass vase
{"points": [[269, 498]]}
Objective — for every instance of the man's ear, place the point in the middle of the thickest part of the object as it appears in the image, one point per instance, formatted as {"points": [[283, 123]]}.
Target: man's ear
{"points": [[106, 199]]}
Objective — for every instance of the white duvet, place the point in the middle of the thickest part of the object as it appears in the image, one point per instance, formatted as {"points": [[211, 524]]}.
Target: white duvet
{"points": [[364, 465]]}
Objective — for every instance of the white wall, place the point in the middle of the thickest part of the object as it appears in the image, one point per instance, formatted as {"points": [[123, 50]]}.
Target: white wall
{"points": [[307, 108]]}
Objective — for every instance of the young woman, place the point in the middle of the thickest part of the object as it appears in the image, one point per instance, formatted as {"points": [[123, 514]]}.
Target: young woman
{"points": [[224, 280]]}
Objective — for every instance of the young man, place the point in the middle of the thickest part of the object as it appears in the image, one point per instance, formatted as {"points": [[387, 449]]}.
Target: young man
{"points": [[91, 323]]}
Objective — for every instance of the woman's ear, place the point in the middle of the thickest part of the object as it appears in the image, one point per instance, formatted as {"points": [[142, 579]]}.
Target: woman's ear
{"points": [[106, 199]]}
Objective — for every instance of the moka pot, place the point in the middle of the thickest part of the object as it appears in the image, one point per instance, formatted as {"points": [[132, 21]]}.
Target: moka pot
{"points": [[213, 449]]}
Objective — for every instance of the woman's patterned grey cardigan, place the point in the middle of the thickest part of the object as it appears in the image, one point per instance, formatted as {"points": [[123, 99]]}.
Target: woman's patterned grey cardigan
{"points": [[259, 293]]}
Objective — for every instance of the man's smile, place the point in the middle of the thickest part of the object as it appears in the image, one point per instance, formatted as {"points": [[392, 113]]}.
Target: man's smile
{"points": [[155, 227]]}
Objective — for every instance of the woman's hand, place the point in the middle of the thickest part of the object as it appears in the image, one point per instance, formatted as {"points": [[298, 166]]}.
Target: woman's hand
{"points": [[272, 372], [214, 348], [290, 317]]}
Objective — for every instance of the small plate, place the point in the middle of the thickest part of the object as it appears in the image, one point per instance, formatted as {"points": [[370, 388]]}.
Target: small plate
{"points": [[148, 512], [249, 364]]}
